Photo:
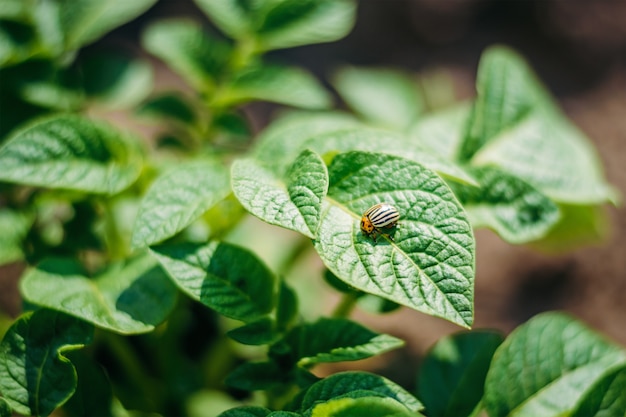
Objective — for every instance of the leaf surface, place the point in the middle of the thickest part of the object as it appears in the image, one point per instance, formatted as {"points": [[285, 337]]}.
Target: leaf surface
{"points": [[127, 298], [14, 226], [35, 376], [71, 152], [224, 277], [429, 266]]}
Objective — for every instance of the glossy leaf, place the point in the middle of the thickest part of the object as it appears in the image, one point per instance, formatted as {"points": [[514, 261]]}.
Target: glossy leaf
{"points": [[384, 97], [224, 277], [451, 377], [178, 197], [188, 50], [293, 201], [284, 85], [442, 132], [356, 407], [127, 298], [35, 376], [606, 398], [429, 266], [335, 340], [355, 385], [71, 152], [14, 226], [283, 23], [515, 210], [546, 365]]}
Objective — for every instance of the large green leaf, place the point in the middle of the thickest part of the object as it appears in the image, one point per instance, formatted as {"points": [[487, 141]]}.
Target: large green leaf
{"points": [[334, 340], [429, 265], [71, 152], [606, 398], [187, 49], [275, 24], [442, 132], [354, 385], [515, 210], [224, 277], [384, 97], [452, 376], [546, 366], [126, 298], [293, 202], [35, 376], [14, 226], [177, 198], [284, 85]]}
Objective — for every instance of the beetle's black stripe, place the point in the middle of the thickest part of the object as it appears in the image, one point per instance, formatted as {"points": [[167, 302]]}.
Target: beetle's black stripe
{"points": [[382, 216]]}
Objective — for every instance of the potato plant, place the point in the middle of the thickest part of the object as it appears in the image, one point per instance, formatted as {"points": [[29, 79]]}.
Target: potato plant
{"points": [[143, 289]]}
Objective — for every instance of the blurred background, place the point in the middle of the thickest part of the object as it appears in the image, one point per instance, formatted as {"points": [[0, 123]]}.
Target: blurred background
{"points": [[578, 50]]}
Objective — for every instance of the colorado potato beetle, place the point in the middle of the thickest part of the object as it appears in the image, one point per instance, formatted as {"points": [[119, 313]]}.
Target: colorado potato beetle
{"points": [[377, 218]]}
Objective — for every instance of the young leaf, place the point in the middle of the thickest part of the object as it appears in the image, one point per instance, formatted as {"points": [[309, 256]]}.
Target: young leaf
{"points": [[282, 23], [128, 299], [35, 376], [84, 21], [293, 202], [70, 152], [508, 205], [384, 97], [284, 85], [246, 411], [352, 385], [606, 398], [361, 406], [546, 365], [177, 198], [190, 51], [429, 266], [451, 378], [224, 277], [442, 132], [14, 226], [335, 340]]}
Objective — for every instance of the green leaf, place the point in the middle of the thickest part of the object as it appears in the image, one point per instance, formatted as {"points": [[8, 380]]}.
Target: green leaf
{"points": [[284, 85], [429, 266], [127, 298], [293, 202], [353, 385], [224, 277], [451, 378], [247, 411], [5, 408], [172, 106], [113, 80], [546, 366], [384, 97], [282, 23], [17, 42], [508, 205], [93, 395], [71, 152], [84, 21], [287, 306], [442, 132], [177, 198], [14, 226], [606, 398], [188, 50], [35, 376], [254, 376], [552, 155], [260, 332], [362, 406], [334, 340]]}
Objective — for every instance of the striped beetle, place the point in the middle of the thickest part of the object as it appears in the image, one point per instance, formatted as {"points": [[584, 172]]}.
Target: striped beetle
{"points": [[379, 216]]}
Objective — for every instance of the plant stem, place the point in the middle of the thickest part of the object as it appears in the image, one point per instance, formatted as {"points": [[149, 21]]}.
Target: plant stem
{"points": [[346, 305]]}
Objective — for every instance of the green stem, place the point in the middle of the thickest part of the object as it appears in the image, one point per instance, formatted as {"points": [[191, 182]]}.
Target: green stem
{"points": [[346, 305]]}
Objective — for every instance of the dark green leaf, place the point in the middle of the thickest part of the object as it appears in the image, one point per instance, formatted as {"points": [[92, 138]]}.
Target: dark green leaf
{"points": [[336, 340], [287, 307], [17, 42], [293, 202], [189, 50], [14, 226], [452, 376], [177, 198], [35, 376], [126, 298], [514, 209], [71, 152], [253, 376], [352, 385], [224, 277], [171, 106], [93, 395], [429, 266], [384, 97], [247, 411], [546, 366], [607, 398], [5, 408], [284, 85], [260, 332]]}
